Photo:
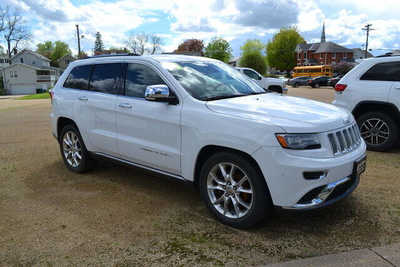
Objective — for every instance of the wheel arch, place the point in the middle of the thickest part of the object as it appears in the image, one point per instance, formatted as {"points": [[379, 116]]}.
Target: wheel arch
{"points": [[62, 122], [368, 106], [208, 150]]}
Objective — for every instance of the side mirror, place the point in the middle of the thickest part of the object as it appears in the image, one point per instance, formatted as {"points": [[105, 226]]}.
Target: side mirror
{"points": [[160, 93]]}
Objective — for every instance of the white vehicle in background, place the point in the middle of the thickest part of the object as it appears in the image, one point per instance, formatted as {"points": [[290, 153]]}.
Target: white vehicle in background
{"points": [[272, 84], [198, 120], [371, 91]]}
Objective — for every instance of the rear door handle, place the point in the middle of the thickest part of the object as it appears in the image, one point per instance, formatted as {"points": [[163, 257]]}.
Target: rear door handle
{"points": [[125, 105], [83, 98]]}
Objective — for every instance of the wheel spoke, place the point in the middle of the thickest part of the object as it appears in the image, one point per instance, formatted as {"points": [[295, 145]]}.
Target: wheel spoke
{"points": [[226, 200], [223, 172], [219, 200], [235, 206], [244, 179], [243, 190], [215, 179], [241, 202], [232, 171], [213, 187], [78, 155]]}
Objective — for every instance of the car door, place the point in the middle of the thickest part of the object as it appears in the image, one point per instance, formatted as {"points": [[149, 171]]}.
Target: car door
{"points": [[74, 95], [394, 95], [106, 82], [149, 132], [255, 76]]}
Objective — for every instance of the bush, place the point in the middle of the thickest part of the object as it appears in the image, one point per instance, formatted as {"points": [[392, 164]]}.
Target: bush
{"points": [[255, 61]]}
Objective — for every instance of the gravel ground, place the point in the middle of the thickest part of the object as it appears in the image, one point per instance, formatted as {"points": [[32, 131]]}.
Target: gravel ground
{"points": [[122, 216]]}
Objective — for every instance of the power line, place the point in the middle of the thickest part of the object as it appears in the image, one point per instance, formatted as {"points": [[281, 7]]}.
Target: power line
{"points": [[367, 28]]}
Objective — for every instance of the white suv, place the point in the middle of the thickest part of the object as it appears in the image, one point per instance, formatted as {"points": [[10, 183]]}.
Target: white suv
{"points": [[371, 91], [201, 121], [271, 84]]}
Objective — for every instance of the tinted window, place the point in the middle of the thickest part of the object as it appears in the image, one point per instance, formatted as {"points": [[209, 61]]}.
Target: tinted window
{"points": [[107, 78], [79, 78], [138, 77], [252, 74], [389, 71]]}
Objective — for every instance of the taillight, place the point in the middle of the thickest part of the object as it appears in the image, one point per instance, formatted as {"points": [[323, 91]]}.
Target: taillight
{"points": [[339, 87]]}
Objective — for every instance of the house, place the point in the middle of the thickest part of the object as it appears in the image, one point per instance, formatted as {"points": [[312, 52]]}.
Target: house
{"points": [[29, 73], [322, 53], [64, 61], [4, 62], [358, 53]]}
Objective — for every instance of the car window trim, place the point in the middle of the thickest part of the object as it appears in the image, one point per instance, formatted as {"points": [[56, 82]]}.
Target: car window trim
{"points": [[378, 63]]}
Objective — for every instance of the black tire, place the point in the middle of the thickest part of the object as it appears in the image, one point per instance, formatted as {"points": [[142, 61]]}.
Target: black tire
{"points": [[86, 163], [261, 201], [393, 130], [317, 85], [295, 85]]}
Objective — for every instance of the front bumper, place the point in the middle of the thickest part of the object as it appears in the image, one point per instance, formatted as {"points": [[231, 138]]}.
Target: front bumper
{"points": [[289, 189]]}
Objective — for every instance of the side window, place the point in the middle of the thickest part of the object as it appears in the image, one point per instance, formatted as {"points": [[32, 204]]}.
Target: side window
{"points": [[107, 78], [252, 74], [389, 71], [78, 78], [138, 77]]}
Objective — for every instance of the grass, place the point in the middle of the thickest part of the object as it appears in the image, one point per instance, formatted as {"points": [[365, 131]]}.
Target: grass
{"points": [[35, 96]]}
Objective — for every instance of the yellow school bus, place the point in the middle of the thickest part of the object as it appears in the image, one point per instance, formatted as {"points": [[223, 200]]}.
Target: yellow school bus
{"points": [[312, 71]]}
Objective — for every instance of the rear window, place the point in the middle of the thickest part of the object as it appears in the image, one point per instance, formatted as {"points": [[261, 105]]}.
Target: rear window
{"points": [[78, 78], [389, 71]]}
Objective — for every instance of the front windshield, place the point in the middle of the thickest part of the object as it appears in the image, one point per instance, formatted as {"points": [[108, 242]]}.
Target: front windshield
{"points": [[211, 80]]}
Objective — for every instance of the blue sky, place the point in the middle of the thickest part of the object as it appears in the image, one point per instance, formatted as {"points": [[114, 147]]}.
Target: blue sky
{"points": [[234, 20]]}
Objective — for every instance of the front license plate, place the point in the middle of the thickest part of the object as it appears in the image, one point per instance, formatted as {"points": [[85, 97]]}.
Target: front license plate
{"points": [[360, 166]]}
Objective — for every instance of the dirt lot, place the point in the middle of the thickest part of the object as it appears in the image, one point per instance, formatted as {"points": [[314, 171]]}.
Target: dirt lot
{"points": [[122, 216]]}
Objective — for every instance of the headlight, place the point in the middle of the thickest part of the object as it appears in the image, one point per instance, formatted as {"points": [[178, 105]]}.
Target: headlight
{"points": [[299, 141]]}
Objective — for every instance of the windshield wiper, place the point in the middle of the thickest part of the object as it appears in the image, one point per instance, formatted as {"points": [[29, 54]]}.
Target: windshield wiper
{"points": [[221, 97]]}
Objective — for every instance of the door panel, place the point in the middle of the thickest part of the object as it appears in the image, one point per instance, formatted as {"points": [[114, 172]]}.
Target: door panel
{"points": [[149, 132], [105, 83]]}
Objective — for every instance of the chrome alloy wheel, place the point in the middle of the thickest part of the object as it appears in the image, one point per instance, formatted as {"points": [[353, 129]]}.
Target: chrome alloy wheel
{"points": [[375, 131], [72, 149], [230, 190]]}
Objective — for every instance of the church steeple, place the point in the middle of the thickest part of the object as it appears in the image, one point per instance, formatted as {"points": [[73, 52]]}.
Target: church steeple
{"points": [[323, 40]]}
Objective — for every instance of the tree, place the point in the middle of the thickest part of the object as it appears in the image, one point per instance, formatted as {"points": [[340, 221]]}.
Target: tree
{"points": [[142, 43], [13, 27], [219, 49], [53, 51], [98, 44], [342, 68], [281, 50], [252, 56], [192, 47], [252, 46]]}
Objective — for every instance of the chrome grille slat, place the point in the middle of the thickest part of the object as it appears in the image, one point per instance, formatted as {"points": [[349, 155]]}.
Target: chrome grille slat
{"points": [[345, 140]]}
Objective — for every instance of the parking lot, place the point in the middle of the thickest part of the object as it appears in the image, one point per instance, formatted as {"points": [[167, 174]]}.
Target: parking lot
{"points": [[118, 215]]}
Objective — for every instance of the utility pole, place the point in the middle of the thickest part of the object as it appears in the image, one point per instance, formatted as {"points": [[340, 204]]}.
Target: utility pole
{"points": [[367, 28], [79, 40]]}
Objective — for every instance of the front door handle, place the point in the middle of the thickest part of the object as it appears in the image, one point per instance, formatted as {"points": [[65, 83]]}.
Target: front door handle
{"points": [[83, 98], [125, 105]]}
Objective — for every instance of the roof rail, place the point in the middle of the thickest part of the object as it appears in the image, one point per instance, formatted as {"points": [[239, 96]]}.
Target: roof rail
{"points": [[389, 54], [114, 55]]}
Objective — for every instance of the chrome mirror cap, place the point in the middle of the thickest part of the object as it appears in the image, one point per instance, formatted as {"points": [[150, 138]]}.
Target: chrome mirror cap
{"points": [[157, 92]]}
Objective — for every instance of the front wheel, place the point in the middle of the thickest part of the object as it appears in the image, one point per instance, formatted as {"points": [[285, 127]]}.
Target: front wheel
{"points": [[234, 190], [379, 130], [316, 85]]}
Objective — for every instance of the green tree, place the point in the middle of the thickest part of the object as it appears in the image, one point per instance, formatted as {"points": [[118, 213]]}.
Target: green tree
{"points": [[252, 56], [281, 50], [53, 51], [219, 49], [98, 44]]}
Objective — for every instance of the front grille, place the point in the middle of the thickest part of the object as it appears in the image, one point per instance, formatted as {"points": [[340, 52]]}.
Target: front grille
{"points": [[345, 140]]}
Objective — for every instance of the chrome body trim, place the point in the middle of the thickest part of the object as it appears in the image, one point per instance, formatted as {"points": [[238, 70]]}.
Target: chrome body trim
{"points": [[322, 196], [141, 166]]}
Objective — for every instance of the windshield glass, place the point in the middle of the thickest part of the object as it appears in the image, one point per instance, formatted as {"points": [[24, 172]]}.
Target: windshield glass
{"points": [[211, 80]]}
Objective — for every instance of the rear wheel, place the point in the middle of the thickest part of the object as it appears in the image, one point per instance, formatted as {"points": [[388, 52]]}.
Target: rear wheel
{"points": [[234, 190], [295, 85], [73, 150], [379, 130], [316, 85]]}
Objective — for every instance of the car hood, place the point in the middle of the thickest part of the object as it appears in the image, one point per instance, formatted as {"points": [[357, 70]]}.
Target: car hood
{"points": [[292, 114]]}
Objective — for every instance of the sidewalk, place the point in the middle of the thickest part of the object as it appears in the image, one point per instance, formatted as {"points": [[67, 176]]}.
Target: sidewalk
{"points": [[381, 256]]}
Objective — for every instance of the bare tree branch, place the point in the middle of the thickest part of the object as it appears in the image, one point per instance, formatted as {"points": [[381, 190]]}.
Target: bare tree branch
{"points": [[142, 43], [14, 30]]}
